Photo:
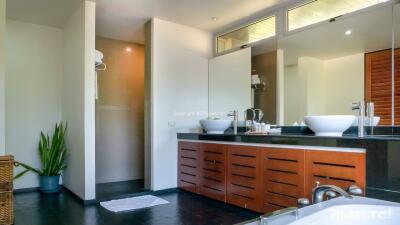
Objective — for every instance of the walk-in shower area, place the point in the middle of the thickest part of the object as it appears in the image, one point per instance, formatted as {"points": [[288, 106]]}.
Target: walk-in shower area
{"points": [[119, 118]]}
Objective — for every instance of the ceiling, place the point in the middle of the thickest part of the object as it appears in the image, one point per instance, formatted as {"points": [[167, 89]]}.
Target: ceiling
{"points": [[45, 12], [124, 19]]}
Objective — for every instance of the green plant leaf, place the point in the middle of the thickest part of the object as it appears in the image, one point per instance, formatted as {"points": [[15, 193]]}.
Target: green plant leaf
{"points": [[27, 169], [21, 174], [52, 153]]}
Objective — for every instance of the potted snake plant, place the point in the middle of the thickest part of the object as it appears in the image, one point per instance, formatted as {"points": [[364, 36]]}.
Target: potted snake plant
{"points": [[53, 154]]}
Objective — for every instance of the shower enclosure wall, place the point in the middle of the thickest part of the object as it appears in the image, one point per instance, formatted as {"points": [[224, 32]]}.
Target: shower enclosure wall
{"points": [[120, 113]]}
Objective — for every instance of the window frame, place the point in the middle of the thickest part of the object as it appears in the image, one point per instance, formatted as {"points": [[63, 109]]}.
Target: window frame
{"points": [[326, 21], [243, 26]]}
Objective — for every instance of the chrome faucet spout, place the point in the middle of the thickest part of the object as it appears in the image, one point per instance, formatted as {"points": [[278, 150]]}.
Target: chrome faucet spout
{"points": [[320, 191], [235, 121], [360, 106]]}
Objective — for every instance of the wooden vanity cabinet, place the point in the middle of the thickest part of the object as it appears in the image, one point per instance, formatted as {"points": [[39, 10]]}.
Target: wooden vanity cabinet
{"points": [[264, 179], [212, 182], [244, 177], [341, 169], [188, 166], [283, 173]]}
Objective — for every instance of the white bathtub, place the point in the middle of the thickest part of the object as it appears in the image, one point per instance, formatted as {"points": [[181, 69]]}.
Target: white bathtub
{"points": [[359, 210]]}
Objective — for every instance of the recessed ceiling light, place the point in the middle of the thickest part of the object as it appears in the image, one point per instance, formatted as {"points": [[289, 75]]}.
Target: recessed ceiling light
{"points": [[214, 18], [348, 32], [128, 49]]}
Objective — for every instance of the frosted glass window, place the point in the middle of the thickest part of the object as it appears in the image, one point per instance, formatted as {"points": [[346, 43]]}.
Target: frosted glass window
{"points": [[319, 10], [257, 31]]}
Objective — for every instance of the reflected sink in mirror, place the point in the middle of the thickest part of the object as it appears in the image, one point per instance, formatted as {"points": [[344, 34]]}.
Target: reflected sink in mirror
{"points": [[330, 125], [375, 121]]}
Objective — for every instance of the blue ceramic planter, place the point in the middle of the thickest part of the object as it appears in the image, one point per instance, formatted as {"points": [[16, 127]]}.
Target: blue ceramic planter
{"points": [[50, 184]]}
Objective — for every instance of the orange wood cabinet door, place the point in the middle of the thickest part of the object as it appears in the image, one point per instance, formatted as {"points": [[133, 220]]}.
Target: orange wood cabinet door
{"points": [[213, 171], [283, 183], [244, 177], [188, 166], [336, 168]]}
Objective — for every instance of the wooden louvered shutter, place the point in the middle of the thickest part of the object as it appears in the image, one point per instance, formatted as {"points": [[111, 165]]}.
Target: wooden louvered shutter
{"points": [[378, 85], [397, 87]]}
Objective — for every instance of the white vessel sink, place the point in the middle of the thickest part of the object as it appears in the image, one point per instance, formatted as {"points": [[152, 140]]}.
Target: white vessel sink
{"points": [[215, 126], [333, 125], [340, 211]]}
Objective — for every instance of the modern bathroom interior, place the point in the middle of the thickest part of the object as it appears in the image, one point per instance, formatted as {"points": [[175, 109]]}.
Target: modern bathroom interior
{"points": [[119, 116], [192, 112]]}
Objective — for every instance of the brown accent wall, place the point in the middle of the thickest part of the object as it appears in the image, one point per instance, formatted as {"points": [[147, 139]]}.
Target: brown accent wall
{"points": [[265, 66], [120, 112]]}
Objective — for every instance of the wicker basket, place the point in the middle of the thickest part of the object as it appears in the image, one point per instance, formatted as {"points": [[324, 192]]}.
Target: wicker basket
{"points": [[6, 190]]}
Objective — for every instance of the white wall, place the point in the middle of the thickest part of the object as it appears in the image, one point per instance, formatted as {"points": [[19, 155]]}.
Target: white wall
{"points": [[90, 108], [34, 66], [2, 74], [78, 104], [311, 72], [280, 88], [318, 87], [344, 78], [294, 104], [179, 92], [230, 83]]}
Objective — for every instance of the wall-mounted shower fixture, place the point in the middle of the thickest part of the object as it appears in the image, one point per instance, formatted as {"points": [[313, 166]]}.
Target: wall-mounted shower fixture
{"points": [[99, 66]]}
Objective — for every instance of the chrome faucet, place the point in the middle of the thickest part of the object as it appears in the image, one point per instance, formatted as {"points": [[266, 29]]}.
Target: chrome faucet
{"points": [[259, 114], [320, 191], [360, 106], [249, 118], [235, 121], [326, 192], [370, 116], [370, 113]]}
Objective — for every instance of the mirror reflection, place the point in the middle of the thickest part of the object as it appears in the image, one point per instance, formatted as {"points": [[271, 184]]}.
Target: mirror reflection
{"points": [[316, 70], [329, 67]]}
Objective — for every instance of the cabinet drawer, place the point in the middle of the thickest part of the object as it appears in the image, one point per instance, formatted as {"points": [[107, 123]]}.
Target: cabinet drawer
{"points": [[213, 156], [212, 192], [336, 168], [188, 166], [213, 175], [283, 182], [217, 166], [212, 188], [212, 171], [187, 186], [244, 179], [283, 201]]}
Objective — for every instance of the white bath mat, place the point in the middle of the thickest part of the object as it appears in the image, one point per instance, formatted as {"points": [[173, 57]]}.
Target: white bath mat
{"points": [[128, 204]]}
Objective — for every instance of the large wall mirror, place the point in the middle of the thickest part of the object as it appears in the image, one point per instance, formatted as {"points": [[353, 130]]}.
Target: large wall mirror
{"points": [[319, 69]]}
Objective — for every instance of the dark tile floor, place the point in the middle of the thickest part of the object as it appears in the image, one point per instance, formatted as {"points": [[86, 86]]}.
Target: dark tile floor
{"points": [[123, 189], [184, 209]]}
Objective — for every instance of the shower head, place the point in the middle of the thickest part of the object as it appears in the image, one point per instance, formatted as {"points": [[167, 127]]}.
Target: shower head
{"points": [[99, 58]]}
